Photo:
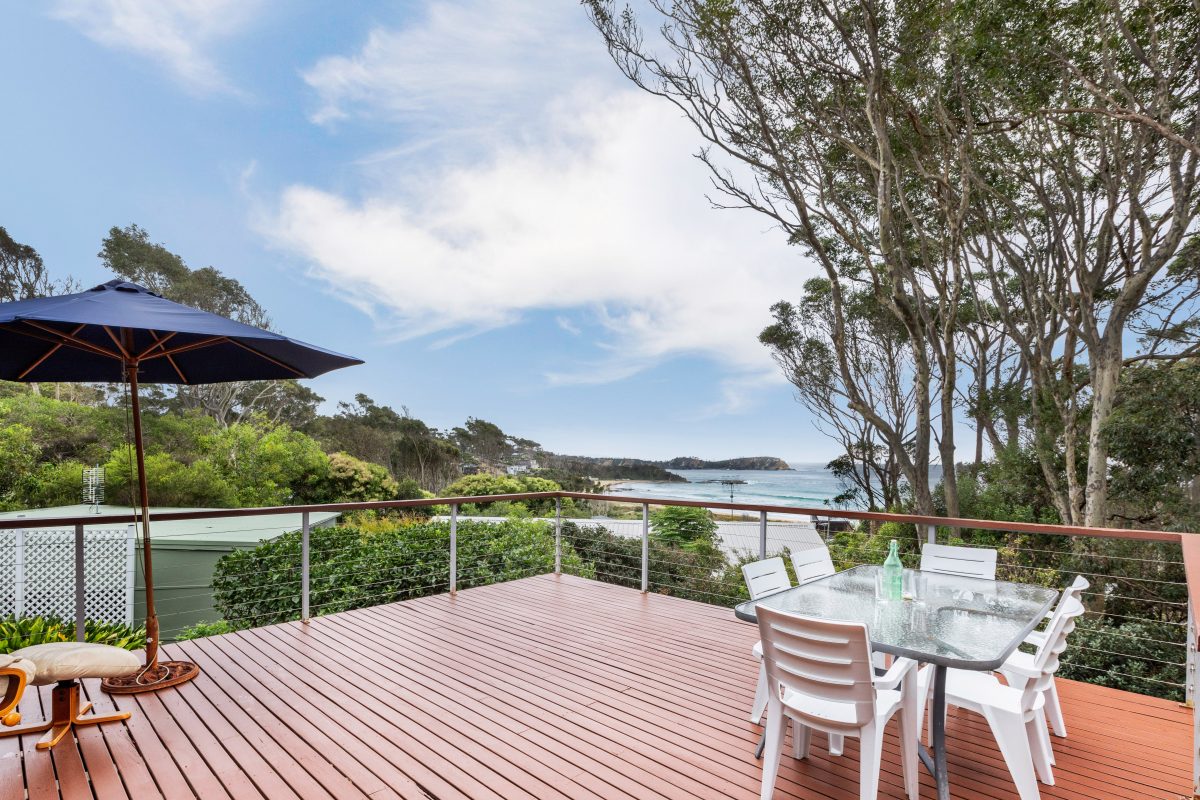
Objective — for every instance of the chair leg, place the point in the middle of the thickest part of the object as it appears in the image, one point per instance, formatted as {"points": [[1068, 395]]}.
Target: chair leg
{"points": [[801, 740], [837, 744], [776, 730], [909, 715], [870, 757], [1011, 736], [1039, 748], [760, 695], [66, 713], [1054, 710], [1045, 732]]}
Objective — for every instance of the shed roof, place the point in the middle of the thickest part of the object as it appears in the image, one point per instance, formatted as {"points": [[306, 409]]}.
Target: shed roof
{"points": [[189, 534]]}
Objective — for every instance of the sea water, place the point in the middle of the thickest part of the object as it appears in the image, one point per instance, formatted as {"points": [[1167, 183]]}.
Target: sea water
{"points": [[807, 485]]}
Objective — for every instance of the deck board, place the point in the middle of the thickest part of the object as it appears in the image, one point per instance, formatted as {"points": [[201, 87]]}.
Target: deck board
{"points": [[548, 687]]}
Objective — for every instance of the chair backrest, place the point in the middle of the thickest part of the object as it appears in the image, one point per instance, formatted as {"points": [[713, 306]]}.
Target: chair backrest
{"points": [[969, 562], [1070, 603], [812, 563], [827, 660], [766, 577], [1046, 659]]}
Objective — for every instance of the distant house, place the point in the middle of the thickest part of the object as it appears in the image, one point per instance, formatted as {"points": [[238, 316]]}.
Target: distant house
{"points": [[469, 469], [35, 561], [517, 469]]}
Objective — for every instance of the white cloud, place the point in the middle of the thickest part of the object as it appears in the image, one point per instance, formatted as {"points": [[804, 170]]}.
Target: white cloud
{"points": [[174, 33], [607, 213], [559, 189], [468, 66]]}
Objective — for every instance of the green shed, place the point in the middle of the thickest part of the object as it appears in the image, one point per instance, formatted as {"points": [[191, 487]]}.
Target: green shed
{"points": [[185, 554]]}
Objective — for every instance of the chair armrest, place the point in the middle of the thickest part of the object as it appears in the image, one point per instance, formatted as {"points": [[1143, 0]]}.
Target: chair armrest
{"points": [[17, 679], [896, 673], [1036, 638]]}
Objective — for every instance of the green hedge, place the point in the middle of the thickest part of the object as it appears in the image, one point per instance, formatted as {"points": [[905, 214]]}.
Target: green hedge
{"points": [[381, 562]]}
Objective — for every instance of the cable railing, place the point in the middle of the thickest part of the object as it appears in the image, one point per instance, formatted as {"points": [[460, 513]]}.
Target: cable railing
{"points": [[1138, 631]]}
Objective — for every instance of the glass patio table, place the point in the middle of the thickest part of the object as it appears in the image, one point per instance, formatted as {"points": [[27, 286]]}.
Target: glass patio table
{"points": [[944, 620]]}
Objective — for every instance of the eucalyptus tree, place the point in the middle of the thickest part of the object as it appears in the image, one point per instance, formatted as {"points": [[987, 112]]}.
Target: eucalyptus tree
{"points": [[872, 415], [1081, 224], [816, 114]]}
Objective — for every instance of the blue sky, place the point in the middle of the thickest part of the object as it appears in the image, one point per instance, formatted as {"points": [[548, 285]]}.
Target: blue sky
{"points": [[466, 194]]}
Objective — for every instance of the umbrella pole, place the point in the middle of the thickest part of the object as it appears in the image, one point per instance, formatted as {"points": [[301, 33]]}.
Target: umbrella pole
{"points": [[144, 498], [154, 675]]}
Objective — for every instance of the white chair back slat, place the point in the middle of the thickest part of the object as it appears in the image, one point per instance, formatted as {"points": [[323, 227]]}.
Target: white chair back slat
{"points": [[829, 661], [1071, 602], [812, 563], [968, 562], [766, 577]]}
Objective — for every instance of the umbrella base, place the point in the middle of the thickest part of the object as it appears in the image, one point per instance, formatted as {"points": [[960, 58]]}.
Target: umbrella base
{"points": [[166, 673]]}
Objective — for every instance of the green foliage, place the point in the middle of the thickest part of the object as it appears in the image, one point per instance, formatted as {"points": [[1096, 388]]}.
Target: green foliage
{"points": [[378, 562], [1154, 440], [346, 479], [18, 632], [483, 484], [202, 629], [691, 529], [674, 570], [858, 546]]}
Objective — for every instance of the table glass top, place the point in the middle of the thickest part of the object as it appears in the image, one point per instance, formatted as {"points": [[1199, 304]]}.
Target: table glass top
{"points": [[944, 619]]}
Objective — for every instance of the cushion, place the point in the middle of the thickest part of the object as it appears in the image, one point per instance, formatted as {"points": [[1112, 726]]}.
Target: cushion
{"points": [[69, 661]]}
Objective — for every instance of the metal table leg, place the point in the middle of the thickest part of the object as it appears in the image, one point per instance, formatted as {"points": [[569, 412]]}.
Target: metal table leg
{"points": [[936, 762]]}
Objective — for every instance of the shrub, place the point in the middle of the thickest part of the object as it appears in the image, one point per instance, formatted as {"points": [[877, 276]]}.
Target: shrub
{"points": [[674, 570], [18, 632], [202, 629], [379, 562], [682, 526]]}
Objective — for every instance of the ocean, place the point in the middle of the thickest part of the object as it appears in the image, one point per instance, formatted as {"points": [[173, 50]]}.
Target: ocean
{"points": [[809, 485]]}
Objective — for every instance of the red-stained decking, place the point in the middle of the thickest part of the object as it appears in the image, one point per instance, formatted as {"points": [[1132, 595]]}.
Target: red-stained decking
{"points": [[540, 688]]}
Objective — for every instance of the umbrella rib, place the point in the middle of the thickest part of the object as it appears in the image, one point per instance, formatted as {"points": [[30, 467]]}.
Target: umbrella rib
{"points": [[159, 343], [186, 347], [250, 349], [57, 346], [65, 338], [117, 342]]}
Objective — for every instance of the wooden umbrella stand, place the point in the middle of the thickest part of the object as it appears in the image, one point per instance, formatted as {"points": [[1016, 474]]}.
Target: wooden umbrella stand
{"points": [[156, 674]]}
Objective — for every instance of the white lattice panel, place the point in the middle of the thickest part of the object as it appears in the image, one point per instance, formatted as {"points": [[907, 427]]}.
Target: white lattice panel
{"points": [[37, 568]]}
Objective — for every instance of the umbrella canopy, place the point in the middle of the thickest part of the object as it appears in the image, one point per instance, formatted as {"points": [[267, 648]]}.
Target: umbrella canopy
{"points": [[93, 335], [120, 330]]}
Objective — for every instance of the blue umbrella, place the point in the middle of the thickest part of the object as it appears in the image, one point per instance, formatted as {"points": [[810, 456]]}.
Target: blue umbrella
{"points": [[122, 331]]}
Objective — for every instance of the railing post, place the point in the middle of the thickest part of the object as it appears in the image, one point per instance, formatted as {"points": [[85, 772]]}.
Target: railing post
{"points": [[454, 548], [645, 547], [305, 570], [931, 534], [558, 536], [80, 593], [1190, 674], [19, 574], [1190, 696], [762, 534]]}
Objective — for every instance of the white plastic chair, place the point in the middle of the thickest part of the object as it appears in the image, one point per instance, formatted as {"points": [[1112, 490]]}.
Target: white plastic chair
{"points": [[969, 562], [821, 677], [812, 563], [1015, 715], [763, 578], [1020, 668]]}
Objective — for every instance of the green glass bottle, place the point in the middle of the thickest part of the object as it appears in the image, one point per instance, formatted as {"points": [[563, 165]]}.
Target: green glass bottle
{"points": [[893, 574]]}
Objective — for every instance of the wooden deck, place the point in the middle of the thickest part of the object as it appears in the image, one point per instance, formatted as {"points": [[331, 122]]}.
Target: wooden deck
{"points": [[541, 688]]}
